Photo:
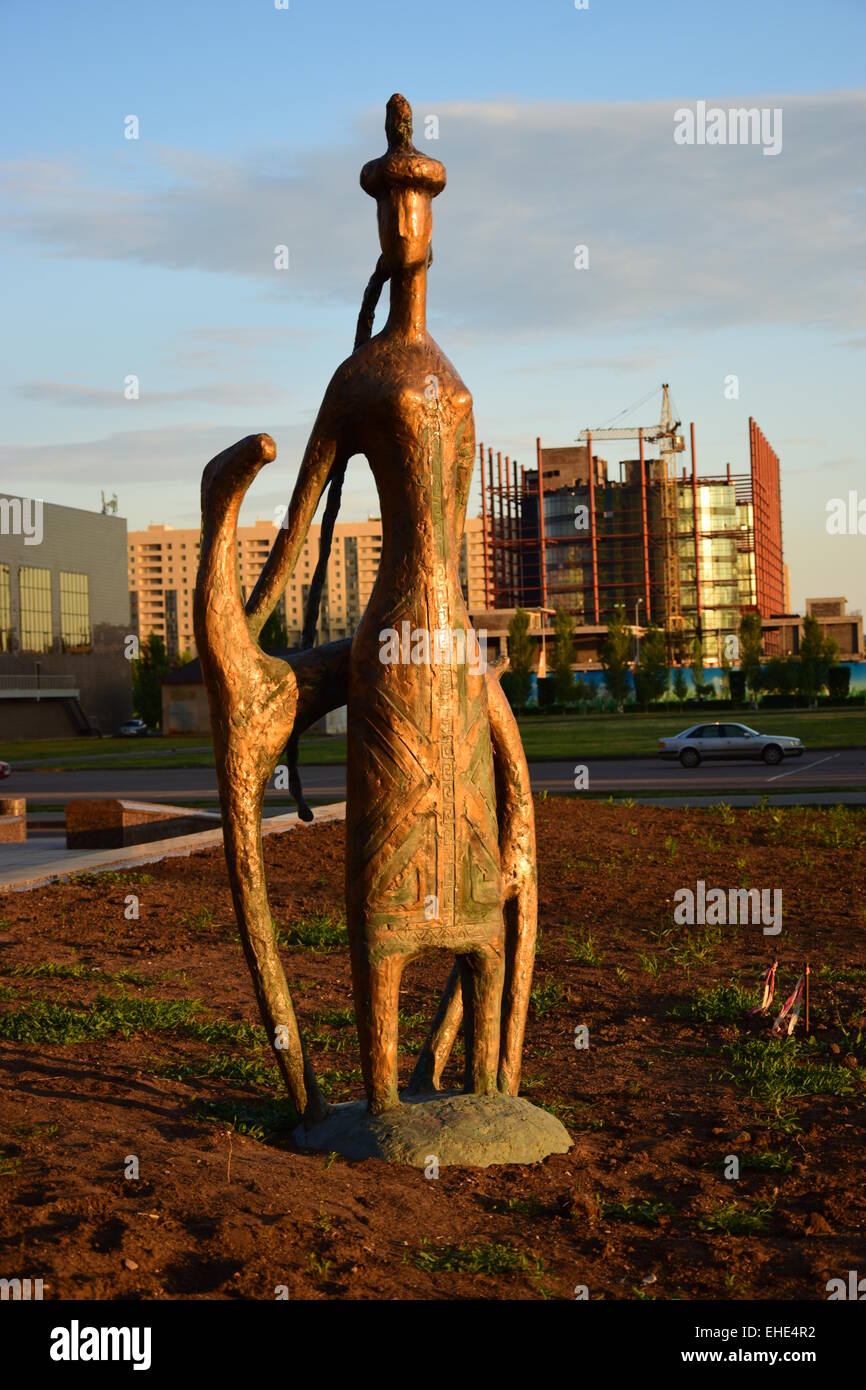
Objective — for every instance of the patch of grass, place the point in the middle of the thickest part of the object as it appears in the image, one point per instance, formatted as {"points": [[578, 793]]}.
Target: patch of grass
{"points": [[124, 878], [336, 1084], [650, 964], [410, 1022], [318, 931], [259, 1120], [688, 949], [846, 976], [729, 1219], [485, 1257], [767, 1161], [203, 919], [584, 949], [721, 1004], [336, 1018], [53, 1023], [546, 996], [776, 1070], [250, 1072], [55, 970], [41, 1130], [514, 1206], [836, 827], [563, 1111], [8, 1166], [642, 1213]]}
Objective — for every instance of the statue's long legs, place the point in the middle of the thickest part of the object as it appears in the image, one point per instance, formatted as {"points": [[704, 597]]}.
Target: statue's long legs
{"points": [[376, 983], [520, 907], [481, 976]]}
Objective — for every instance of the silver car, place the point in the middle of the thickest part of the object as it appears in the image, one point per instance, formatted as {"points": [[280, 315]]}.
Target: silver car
{"points": [[728, 741]]}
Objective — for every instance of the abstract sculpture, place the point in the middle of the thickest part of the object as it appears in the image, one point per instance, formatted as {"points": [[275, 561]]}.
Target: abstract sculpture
{"points": [[440, 838]]}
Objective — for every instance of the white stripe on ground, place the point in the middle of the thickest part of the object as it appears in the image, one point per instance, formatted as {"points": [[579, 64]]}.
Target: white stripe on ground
{"points": [[808, 768]]}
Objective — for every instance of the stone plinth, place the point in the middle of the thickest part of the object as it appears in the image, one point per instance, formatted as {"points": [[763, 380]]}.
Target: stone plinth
{"points": [[114, 824], [13, 820], [453, 1127]]}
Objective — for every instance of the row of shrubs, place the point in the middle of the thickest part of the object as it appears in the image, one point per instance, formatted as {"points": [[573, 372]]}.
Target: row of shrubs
{"points": [[594, 699], [606, 705]]}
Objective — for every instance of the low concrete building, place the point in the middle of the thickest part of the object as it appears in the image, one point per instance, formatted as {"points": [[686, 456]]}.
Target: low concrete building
{"points": [[64, 618], [845, 628]]}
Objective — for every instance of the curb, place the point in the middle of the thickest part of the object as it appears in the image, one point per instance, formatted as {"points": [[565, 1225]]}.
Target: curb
{"points": [[55, 870]]}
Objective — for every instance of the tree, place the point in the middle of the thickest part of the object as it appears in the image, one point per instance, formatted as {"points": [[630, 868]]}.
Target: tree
{"points": [[817, 654], [653, 664], [519, 657], [751, 639], [780, 675], [698, 667], [678, 647], [563, 655], [726, 669], [839, 682], [681, 685], [615, 653], [147, 673]]}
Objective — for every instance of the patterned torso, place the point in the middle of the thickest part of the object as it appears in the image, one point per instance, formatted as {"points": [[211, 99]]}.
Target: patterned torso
{"points": [[422, 851]]}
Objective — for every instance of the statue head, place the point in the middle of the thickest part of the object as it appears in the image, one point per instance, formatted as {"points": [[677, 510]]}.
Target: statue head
{"points": [[404, 182]]}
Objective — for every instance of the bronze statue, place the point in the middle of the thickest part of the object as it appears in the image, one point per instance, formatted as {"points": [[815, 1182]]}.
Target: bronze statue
{"points": [[440, 838]]}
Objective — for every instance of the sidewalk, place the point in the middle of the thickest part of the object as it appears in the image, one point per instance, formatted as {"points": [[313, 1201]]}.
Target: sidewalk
{"points": [[45, 859]]}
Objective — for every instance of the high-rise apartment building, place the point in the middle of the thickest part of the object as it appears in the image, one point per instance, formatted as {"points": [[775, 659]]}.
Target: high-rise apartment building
{"points": [[163, 563]]}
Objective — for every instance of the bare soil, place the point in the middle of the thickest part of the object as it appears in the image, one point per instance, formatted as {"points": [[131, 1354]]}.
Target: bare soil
{"points": [[103, 1059]]}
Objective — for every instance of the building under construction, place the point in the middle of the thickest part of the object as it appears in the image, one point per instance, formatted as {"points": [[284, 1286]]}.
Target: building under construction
{"points": [[688, 553]]}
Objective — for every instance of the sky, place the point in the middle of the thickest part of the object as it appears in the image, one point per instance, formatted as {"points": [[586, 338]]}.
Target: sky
{"points": [[153, 258]]}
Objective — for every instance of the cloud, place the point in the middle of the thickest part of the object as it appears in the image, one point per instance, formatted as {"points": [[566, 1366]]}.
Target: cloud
{"points": [[93, 397], [685, 237], [144, 459]]}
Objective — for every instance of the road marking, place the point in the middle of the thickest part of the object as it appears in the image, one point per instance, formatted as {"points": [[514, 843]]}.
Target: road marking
{"points": [[807, 768]]}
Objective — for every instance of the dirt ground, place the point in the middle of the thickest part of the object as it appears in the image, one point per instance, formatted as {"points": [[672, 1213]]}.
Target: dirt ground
{"points": [[134, 1043]]}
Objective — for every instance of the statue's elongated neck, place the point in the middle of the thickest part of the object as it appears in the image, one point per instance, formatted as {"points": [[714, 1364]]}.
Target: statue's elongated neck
{"points": [[408, 314]]}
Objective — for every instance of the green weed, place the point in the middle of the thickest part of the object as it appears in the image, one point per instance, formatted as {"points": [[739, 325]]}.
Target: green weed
{"points": [[319, 931], [643, 1213], [729, 1219], [721, 1004], [584, 949]]}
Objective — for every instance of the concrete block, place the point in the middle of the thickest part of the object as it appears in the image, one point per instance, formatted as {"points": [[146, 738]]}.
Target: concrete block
{"points": [[114, 824]]}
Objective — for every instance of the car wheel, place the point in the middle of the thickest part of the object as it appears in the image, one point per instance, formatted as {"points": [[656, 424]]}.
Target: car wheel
{"points": [[772, 754], [690, 757]]}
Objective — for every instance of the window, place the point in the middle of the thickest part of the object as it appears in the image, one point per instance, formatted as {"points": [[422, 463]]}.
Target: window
{"points": [[74, 612], [707, 731], [5, 609], [35, 590]]}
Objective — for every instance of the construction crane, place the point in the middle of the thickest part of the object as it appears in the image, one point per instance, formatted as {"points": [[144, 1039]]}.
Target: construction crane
{"points": [[663, 471]]}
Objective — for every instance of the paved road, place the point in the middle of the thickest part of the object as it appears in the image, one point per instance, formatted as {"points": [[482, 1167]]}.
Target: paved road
{"points": [[845, 768]]}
